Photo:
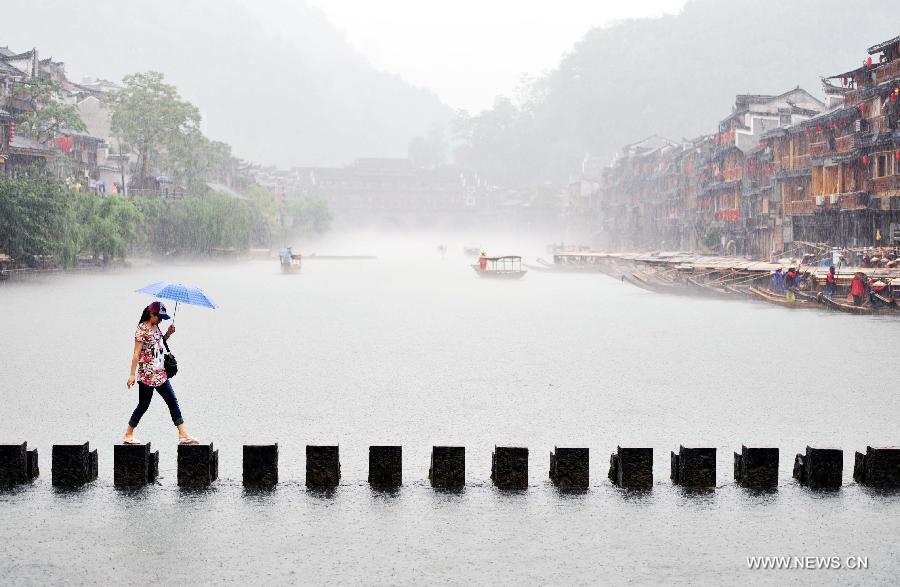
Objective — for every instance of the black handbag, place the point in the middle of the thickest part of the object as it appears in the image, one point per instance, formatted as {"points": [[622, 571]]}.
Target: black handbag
{"points": [[170, 364]]}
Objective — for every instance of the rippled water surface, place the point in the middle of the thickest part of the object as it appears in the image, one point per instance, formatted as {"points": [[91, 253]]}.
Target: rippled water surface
{"points": [[420, 352]]}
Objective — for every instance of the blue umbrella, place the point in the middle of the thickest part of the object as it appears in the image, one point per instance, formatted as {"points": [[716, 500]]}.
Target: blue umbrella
{"points": [[180, 293]]}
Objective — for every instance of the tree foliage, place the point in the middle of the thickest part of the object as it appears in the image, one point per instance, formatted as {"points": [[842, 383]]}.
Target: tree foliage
{"points": [[149, 117], [43, 220], [293, 217]]}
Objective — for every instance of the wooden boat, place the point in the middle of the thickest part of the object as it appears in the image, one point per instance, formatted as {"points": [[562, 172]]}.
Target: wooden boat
{"points": [[539, 268], [716, 290], [867, 308], [655, 286], [290, 262], [779, 300], [845, 307], [739, 290], [506, 267], [808, 296]]}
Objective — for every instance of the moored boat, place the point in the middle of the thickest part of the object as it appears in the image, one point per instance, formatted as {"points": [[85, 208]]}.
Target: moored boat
{"points": [[780, 300], [832, 304], [290, 261], [506, 267]]}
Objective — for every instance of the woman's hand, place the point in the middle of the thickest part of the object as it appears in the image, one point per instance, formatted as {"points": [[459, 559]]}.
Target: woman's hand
{"points": [[130, 381], [171, 330]]}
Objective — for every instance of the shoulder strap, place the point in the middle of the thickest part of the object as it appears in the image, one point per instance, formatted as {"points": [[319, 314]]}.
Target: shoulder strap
{"points": [[163, 339]]}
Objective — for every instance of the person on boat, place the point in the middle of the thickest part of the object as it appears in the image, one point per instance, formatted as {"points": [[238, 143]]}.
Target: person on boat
{"points": [[147, 360], [482, 261], [830, 283], [286, 256], [866, 261], [876, 292], [778, 282], [790, 282], [858, 289]]}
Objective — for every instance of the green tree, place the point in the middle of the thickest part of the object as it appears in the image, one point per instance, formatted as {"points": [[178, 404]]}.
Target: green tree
{"points": [[34, 218], [46, 114], [149, 117], [107, 226]]}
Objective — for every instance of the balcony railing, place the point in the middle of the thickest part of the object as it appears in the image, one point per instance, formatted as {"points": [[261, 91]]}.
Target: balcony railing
{"points": [[795, 162], [888, 183], [818, 149], [854, 201], [798, 207], [846, 143], [887, 71]]}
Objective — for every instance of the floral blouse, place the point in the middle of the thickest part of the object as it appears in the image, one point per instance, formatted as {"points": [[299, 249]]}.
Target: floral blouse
{"points": [[150, 369]]}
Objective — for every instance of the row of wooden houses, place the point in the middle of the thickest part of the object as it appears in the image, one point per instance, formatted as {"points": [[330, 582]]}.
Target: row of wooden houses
{"points": [[779, 170], [80, 157]]}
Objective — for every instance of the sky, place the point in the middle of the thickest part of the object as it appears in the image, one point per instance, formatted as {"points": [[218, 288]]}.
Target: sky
{"points": [[467, 51]]}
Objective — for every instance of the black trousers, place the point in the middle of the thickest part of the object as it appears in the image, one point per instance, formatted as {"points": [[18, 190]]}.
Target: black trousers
{"points": [[145, 394]]}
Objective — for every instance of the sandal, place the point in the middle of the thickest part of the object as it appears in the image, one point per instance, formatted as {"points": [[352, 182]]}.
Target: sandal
{"points": [[189, 441]]}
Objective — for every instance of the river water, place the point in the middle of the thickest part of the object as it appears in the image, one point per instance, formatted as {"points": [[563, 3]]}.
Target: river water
{"points": [[418, 351]]}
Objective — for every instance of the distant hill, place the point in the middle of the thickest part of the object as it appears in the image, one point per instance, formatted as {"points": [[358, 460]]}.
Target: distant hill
{"points": [[677, 76], [314, 101]]}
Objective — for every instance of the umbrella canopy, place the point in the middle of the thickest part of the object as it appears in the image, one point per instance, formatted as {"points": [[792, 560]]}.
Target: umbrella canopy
{"points": [[179, 292]]}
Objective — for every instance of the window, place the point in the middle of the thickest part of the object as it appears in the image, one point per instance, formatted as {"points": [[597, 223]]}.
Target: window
{"points": [[882, 165]]}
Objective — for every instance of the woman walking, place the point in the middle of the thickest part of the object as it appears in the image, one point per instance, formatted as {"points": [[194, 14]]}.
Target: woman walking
{"points": [[151, 374]]}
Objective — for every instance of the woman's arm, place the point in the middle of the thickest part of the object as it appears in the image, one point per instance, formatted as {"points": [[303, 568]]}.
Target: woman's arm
{"points": [[134, 361]]}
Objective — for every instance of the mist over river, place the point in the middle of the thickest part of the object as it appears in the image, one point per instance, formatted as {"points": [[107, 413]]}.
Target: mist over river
{"points": [[413, 350]]}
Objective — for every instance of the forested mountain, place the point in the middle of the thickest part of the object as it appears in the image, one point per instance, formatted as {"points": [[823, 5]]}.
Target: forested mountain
{"points": [[310, 101], [676, 76]]}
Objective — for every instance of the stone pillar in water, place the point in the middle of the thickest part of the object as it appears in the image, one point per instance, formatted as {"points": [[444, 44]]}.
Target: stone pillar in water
{"points": [[756, 468], [260, 465], [134, 465], [879, 467], [73, 465], [386, 466], [509, 467], [820, 468], [198, 465], [631, 468], [570, 468], [18, 465], [323, 466], [694, 468], [448, 467]]}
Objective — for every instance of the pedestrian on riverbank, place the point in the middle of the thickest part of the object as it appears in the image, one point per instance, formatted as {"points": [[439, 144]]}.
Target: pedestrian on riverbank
{"points": [[778, 282], [858, 289], [830, 283], [147, 360]]}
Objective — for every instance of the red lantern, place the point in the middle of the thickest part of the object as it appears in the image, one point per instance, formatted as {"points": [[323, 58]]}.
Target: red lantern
{"points": [[869, 60], [897, 155], [865, 160], [893, 97], [862, 108]]}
